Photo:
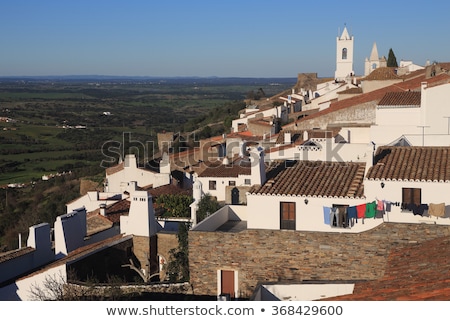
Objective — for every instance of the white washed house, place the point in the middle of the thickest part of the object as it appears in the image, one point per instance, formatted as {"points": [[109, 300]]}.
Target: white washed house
{"points": [[422, 117], [414, 180], [119, 176]]}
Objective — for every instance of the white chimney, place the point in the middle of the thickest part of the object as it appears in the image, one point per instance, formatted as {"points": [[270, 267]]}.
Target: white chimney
{"points": [[258, 167], [287, 138], [103, 209]]}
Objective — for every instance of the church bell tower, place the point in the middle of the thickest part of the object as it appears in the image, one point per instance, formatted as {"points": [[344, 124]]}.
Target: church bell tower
{"points": [[344, 56]]}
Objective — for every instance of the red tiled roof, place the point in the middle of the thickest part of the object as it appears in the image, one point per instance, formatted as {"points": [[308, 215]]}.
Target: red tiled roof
{"points": [[231, 170], [416, 272], [167, 189], [411, 163], [6, 256], [114, 169], [354, 90], [113, 211], [83, 252], [314, 178], [407, 98], [383, 73], [96, 223], [376, 95]]}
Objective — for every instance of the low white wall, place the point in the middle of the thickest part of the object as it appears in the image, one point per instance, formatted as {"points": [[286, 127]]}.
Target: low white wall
{"points": [[306, 292]]}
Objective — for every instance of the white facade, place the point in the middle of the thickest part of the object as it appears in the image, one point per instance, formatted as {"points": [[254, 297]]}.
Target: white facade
{"points": [[344, 56], [276, 112], [431, 192], [141, 218], [326, 149], [407, 66], [264, 213], [427, 125], [216, 186], [117, 182], [92, 200], [374, 61], [301, 292]]}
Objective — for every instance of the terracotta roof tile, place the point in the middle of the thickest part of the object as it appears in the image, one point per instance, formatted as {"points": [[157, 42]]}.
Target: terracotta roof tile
{"points": [[96, 223], [167, 189], [383, 73], [354, 90], [6, 256], [231, 170], [114, 169], [376, 95], [411, 163], [82, 252], [416, 272], [314, 178], [407, 98], [113, 212]]}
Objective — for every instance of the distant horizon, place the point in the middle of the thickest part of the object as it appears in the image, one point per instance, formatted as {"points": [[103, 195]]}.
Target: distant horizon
{"points": [[94, 76]]}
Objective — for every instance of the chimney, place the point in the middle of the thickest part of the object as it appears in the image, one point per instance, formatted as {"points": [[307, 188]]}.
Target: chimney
{"points": [[103, 209], [258, 167], [287, 138], [423, 85]]}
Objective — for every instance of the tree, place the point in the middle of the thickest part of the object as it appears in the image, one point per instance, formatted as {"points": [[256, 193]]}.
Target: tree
{"points": [[392, 60], [206, 206], [175, 205]]}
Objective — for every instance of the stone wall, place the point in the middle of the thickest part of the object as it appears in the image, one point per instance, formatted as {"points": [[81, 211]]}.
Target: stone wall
{"points": [[166, 242], [263, 256], [363, 113], [144, 249]]}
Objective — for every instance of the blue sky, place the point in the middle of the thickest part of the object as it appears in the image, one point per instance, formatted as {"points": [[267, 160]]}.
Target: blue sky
{"points": [[210, 38]]}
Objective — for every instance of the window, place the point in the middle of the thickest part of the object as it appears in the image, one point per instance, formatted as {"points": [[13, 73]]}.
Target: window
{"points": [[232, 183], [411, 197], [344, 54], [247, 181], [212, 185], [287, 215], [340, 217]]}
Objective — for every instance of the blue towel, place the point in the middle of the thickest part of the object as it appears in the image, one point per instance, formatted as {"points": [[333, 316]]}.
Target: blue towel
{"points": [[351, 212], [326, 215]]}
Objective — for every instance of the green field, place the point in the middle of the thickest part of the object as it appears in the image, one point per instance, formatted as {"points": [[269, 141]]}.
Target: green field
{"points": [[41, 136], [61, 125]]}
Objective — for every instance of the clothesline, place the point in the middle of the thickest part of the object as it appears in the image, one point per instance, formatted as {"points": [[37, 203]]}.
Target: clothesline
{"points": [[347, 216]]}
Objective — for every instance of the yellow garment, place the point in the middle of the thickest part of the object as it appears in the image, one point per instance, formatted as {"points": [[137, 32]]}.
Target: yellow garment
{"points": [[437, 209]]}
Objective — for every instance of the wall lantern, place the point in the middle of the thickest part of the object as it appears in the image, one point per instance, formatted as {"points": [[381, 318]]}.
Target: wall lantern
{"points": [[306, 201], [382, 184]]}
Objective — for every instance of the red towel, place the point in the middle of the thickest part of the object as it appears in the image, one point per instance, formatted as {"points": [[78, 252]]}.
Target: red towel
{"points": [[361, 210]]}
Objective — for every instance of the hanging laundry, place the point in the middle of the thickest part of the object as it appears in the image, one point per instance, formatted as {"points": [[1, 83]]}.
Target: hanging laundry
{"points": [[380, 209], [437, 210], [352, 215], [419, 209], [387, 206], [371, 209], [343, 222], [361, 210], [334, 217], [326, 215]]}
